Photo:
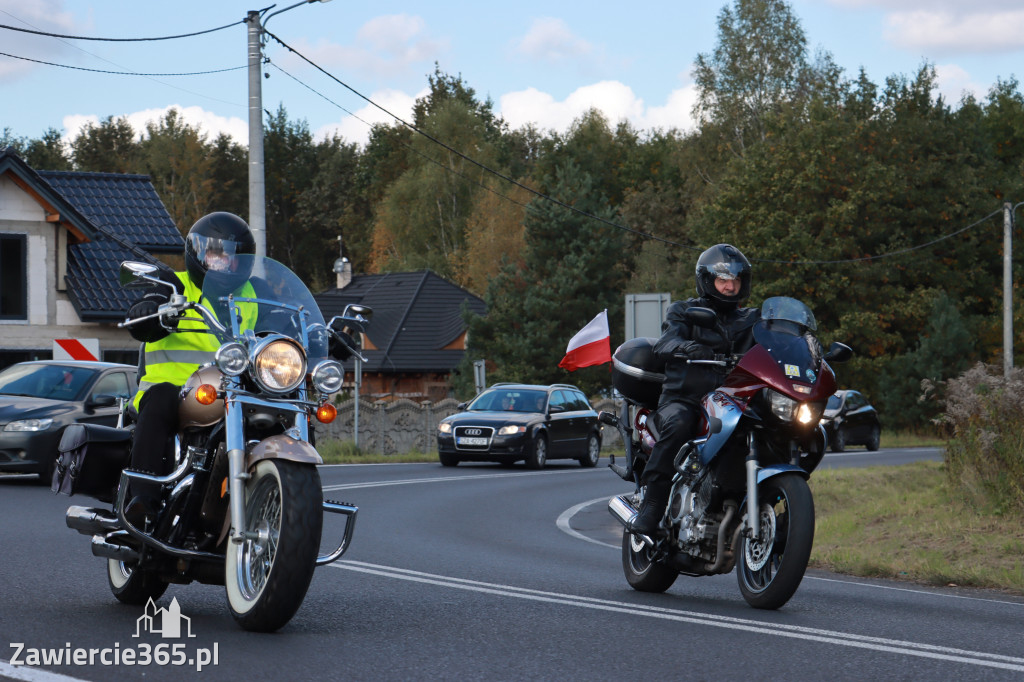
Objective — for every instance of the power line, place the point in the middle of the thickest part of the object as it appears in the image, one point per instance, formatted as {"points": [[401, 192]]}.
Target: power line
{"points": [[119, 40], [122, 73]]}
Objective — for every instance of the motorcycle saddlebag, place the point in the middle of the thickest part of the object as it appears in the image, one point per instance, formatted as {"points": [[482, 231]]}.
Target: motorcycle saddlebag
{"points": [[637, 373], [90, 461]]}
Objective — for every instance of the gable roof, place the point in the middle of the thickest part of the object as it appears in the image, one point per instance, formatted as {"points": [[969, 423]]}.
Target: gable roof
{"points": [[91, 206], [415, 316]]}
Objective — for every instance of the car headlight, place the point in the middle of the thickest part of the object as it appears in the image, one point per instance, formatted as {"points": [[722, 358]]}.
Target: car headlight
{"points": [[29, 425], [279, 366], [328, 376], [444, 427], [511, 429], [231, 359]]}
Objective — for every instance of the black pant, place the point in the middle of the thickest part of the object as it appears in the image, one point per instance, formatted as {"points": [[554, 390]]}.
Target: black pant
{"points": [[157, 424], [674, 423]]}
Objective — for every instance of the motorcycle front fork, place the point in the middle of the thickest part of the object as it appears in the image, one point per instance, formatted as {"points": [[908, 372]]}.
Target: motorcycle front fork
{"points": [[753, 505]]}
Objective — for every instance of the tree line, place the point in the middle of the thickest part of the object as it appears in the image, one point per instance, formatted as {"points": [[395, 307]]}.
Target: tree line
{"points": [[805, 168]]}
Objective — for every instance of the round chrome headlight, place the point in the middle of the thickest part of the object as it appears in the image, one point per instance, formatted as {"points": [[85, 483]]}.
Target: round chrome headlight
{"points": [[279, 366], [328, 376], [232, 359]]}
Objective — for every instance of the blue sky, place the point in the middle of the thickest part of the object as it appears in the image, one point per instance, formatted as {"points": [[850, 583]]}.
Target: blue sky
{"points": [[540, 62]]}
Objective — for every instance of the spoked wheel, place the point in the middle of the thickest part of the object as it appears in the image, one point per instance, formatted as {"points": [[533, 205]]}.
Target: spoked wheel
{"points": [[131, 585], [268, 574], [770, 568], [539, 457], [593, 453], [642, 573]]}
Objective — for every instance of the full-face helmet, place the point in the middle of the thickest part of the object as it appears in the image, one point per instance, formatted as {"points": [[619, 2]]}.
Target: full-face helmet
{"points": [[213, 248], [723, 261]]}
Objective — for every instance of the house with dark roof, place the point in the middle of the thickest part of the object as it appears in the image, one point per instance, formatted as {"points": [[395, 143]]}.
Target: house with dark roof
{"points": [[416, 337], [59, 257]]}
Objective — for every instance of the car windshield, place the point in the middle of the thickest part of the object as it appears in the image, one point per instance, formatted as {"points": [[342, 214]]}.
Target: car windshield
{"points": [[510, 400], [56, 382], [834, 403]]}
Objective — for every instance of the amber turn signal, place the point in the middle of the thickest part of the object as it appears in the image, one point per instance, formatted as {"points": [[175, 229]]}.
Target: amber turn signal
{"points": [[326, 413], [206, 394]]}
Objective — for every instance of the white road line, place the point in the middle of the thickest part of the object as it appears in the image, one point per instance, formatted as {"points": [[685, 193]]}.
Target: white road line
{"points": [[563, 522], [448, 479], [906, 648], [32, 674]]}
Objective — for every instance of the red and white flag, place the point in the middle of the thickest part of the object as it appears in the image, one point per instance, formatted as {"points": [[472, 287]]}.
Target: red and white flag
{"points": [[590, 346]]}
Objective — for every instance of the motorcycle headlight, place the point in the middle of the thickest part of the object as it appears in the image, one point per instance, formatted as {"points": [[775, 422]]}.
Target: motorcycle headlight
{"points": [[279, 366], [29, 425], [782, 406], [328, 376], [231, 359]]}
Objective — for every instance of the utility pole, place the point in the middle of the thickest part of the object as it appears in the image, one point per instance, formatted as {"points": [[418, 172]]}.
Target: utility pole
{"points": [[1007, 289], [257, 183]]}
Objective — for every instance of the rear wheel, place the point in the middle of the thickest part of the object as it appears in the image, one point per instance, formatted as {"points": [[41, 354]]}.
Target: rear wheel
{"points": [[770, 568], [539, 456], [874, 438], [131, 585], [643, 574], [593, 453], [267, 575]]}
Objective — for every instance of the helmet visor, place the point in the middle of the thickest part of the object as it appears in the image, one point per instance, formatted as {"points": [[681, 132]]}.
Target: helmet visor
{"points": [[217, 255], [727, 270]]}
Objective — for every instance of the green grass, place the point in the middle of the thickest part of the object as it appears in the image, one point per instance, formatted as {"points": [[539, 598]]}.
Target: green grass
{"points": [[905, 523], [345, 452], [910, 439]]}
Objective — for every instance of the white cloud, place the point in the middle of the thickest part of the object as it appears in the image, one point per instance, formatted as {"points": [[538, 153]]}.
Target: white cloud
{"points": [[615, 100], [954, 82], [949, 32], [550, 40], [208, 123], [40, 15], [385, 47], [356, 128]]}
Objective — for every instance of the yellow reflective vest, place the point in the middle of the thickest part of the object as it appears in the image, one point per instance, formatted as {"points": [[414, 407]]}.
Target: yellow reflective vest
{"points": [[175, 357]]}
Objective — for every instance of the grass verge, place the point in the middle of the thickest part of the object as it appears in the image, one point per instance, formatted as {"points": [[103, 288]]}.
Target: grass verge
{"points": [[904, 523]]}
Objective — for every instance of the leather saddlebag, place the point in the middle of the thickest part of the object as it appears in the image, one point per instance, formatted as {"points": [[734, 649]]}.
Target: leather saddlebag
{"points": [[90, 461]]}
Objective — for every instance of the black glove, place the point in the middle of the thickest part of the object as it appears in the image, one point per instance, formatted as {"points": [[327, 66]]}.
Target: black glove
{"points": [[150, 330], [697, 351]]}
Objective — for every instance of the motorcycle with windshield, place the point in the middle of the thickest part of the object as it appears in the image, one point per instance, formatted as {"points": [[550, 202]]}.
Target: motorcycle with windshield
{"points": [[243, 506], [739, 495]]}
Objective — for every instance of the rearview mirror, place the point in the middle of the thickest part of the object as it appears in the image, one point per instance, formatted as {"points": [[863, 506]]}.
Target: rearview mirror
{"points": [[838, 352], [702, 317], [136, 275]]}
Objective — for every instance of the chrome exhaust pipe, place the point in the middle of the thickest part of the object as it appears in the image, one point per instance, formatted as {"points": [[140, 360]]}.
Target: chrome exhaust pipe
{"points": [[107, 550], [89, 521], [621, 508]]}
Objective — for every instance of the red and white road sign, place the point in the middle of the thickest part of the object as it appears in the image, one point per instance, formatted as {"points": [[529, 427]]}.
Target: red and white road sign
{"points": [[76, 349]]}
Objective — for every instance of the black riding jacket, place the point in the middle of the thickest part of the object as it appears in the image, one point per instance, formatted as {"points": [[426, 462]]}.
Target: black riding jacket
{"points": [[681, 340]]}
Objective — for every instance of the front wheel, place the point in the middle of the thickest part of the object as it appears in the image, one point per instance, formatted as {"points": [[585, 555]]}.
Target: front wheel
{"points": [[838, 443], [131, 585], [770, 568], [268, 574], [875, 439], [593, 453], [539, 456], [643, 574], [448, 460]]}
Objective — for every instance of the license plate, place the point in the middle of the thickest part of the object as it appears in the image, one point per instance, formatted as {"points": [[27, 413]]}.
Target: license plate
{"points": [[466, 440]]}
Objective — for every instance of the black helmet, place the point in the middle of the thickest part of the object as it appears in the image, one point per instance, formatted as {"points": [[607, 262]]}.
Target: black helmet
{"points": [[212, 248], [723, 261]]}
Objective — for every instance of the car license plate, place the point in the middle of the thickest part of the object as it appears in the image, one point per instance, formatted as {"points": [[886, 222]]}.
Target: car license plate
{"points": [[466, 440]]}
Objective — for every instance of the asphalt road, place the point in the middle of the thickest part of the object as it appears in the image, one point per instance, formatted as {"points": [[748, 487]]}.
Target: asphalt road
{"points": [[497, 573]]}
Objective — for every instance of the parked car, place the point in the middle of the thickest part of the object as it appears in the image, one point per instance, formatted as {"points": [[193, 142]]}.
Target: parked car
{"points": [[849, 419], [512, 422], [39, 399]]}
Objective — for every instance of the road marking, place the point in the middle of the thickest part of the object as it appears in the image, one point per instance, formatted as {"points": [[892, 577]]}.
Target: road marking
{"points": [[448, 479], [563, 522], [847, 639], [32, 674]]}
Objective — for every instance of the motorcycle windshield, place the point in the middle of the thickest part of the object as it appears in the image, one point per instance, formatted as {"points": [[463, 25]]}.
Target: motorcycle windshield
{"points": [[785, 330], [284, 304]]}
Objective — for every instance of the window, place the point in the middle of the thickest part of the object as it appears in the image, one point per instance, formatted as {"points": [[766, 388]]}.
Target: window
{"points": [[115, 384], [13, 278]]}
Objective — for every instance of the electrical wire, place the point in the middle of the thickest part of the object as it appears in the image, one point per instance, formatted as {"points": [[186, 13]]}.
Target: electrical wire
{"points": [[121, 73], [119, 40]]}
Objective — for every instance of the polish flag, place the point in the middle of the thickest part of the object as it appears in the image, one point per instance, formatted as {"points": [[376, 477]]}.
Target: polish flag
{"points": [[590, 346]]}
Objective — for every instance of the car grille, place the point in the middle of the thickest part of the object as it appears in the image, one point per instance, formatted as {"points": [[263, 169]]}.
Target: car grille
{"points": [[473, 437]]}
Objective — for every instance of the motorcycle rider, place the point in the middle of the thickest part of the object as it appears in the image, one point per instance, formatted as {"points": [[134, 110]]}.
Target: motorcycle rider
{"points": [[212, 250], [723, 284]]}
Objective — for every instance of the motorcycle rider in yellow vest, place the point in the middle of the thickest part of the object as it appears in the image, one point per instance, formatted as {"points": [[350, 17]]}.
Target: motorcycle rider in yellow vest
{"points": [[212, 263]]}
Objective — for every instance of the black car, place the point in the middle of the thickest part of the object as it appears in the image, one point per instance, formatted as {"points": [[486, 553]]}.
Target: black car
{"points": [[849, 419], [39, 399], [511, 422]]}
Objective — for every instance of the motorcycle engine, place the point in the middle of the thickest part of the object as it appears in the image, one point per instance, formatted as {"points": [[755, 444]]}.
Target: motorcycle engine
{"points": [[688, 508]]}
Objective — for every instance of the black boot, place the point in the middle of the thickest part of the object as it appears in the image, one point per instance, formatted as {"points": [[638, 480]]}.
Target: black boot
{"points": [[648, 520]]}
